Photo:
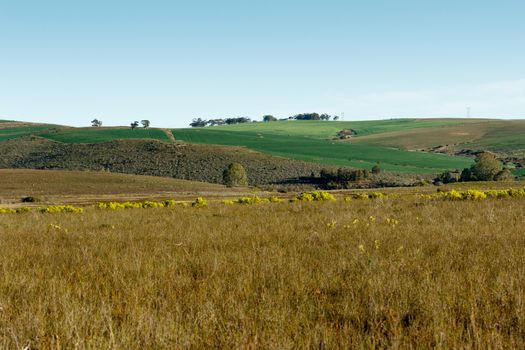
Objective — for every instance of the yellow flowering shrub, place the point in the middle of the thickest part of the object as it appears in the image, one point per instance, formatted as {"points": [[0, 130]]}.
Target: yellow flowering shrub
{"points": [[305, 197], [20, 210], [315, 196], [168, 203], [323, 196], [149, 204], [452, 195], [199, 203], [251, 200], [361, 196], [377, 195], [61, 209], [473, 195]]}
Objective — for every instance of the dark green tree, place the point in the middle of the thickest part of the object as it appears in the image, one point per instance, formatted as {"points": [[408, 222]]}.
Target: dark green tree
{"points": [[96, 123], [486, 166], [235, 175]]}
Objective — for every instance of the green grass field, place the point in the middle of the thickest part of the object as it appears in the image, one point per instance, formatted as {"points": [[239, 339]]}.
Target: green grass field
{"points": [[312, 141], [95, 135], [327, 130], [80, 135], [15, 132]]}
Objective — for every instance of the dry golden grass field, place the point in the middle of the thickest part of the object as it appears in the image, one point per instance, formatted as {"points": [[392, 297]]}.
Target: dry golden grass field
{"points": [[406, 272], [83, 187]]}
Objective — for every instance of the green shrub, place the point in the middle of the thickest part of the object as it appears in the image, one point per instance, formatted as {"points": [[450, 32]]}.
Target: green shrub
{"points": [[30, 199]]}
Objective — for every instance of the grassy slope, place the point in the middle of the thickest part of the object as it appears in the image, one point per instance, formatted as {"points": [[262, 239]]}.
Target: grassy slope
{"points": [[79, 135], [327, 130], [311, 141], [95, 135], [18, 131], [495, 135]]}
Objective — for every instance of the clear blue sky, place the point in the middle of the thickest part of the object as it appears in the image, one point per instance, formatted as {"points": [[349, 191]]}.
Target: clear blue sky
{"points": [[170, 61]]}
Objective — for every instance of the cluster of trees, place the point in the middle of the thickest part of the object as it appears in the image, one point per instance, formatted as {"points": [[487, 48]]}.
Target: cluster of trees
{"points": [[486, 167], [145, 123], [269, 118], [346, 178], [314, 116], [199, 122], [343, 175]]}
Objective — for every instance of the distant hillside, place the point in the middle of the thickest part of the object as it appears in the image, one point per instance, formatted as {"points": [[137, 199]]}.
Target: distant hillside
{"points": [[316, 141], [417, 146], [150, 157], [13, 130]]}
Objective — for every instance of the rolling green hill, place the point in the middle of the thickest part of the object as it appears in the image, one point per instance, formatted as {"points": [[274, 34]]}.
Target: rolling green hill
{"points": [[96, 135], [324, 151], [11, 130], [400, 145], [393, 143]]}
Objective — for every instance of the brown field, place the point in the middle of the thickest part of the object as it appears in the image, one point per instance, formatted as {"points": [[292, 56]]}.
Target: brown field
{"points": [[84, 187], [393, 273], [503, 137]]}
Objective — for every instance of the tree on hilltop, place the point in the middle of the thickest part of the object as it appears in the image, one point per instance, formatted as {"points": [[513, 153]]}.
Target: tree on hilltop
{"points": [[96, 123], [198, 123], [145, 123]]}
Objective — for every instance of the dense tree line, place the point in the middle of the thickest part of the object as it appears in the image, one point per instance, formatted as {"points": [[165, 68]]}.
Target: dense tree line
{"points": [[314, 116], [199, 122]]}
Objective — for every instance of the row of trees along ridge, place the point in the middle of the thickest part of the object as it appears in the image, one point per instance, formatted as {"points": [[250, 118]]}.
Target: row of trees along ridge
{"points": [[199, 122]]}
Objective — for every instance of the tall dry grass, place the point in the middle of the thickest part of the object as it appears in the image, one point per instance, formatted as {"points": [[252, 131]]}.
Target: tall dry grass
{"points": [[366, 274]]}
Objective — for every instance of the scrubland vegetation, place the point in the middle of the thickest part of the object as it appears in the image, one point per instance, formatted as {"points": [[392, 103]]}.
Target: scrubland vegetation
{"points": [[149, 157], [392, 270]]}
